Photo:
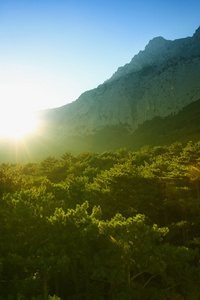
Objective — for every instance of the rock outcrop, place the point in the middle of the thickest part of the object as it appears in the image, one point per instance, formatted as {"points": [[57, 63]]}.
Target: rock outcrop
{"points": [[158, 81]]}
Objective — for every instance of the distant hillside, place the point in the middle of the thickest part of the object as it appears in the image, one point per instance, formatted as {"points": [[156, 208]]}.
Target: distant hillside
{"points": [[183, 127]]}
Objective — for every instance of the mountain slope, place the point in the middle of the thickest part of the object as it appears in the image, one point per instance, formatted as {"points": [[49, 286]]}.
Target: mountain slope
{"points": [[181, 127], [159, 81]]}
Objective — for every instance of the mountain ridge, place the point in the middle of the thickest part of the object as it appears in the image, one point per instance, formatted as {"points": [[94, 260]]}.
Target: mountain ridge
{"points": [[159, 81]]}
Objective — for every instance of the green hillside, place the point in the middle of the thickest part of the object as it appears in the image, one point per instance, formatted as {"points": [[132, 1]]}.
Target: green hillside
{"points": [[182, 127]]}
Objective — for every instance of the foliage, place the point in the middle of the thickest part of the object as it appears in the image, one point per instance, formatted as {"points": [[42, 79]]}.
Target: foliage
{"points": [[116, 225]]}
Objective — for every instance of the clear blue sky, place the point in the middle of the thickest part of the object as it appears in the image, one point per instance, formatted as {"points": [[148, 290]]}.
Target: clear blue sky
{"points": [[52, 51]]}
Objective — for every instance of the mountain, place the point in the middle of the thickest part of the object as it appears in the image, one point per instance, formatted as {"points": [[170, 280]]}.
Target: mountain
{"points": [[154, 99], [158, 81]]}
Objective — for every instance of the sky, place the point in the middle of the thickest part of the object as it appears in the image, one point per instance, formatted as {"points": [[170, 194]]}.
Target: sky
{"points": [[53, 51]]}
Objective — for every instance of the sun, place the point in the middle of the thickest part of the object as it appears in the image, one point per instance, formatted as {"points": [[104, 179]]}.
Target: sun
{"points": [[17, 124]]}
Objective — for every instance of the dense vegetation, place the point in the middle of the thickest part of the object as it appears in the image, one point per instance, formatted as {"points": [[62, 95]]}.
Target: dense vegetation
{"points": [[116, 225]]}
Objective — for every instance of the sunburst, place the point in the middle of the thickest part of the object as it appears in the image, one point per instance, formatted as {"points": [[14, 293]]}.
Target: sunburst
{"points": [[17, 124]]}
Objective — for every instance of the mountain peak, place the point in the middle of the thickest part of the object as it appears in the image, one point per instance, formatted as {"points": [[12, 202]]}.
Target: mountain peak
{"points": [[156, 43]]}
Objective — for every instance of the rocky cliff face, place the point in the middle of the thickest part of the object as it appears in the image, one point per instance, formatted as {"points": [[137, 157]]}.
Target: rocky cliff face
{"points": [[158, 81]]}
